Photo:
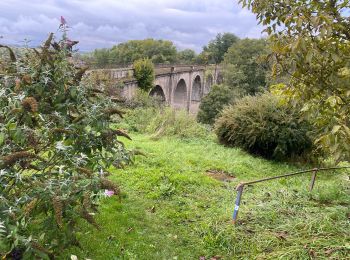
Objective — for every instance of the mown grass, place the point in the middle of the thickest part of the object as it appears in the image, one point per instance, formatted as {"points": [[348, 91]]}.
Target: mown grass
{"points": [[173, 210]]}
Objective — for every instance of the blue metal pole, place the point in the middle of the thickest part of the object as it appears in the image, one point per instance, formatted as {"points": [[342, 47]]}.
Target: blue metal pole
{"points": [[238, 202]]}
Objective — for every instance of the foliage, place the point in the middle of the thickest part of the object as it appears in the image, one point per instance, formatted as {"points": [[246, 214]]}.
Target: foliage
{"points": [[263, 126], [56, 145], [142, 99], [103, 83], [169, 122], [161, 122], [123, 54], [144, 73], [101, 57], [186, 56], [213, 103], [217, 47], [244, 66], [173, 210], [311, 41]]}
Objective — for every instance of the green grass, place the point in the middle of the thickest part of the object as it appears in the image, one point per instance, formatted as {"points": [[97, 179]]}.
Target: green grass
{"points": [[173, 210]]}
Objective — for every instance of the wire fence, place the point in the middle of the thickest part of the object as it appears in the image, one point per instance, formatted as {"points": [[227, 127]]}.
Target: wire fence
{"points": [[240, 187]]}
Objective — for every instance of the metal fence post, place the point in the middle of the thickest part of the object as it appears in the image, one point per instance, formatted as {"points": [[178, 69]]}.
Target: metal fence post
{"points": [[313, 179], [314, 171], [239, 189]]}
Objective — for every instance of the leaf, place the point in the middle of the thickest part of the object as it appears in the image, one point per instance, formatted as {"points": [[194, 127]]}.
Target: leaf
{"points": [[332, 101], [335, 129], [2, 138], [309, 56], [347, 130]]}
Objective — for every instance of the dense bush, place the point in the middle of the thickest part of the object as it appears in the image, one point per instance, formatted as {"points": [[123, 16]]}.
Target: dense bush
{"points": [[142, 99], [263, 125], [213, 103], [56, 144], [164, 121], [144, 73]]}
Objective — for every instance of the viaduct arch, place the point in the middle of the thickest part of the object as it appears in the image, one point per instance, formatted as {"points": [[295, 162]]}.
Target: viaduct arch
{"points": [[179, 86]]}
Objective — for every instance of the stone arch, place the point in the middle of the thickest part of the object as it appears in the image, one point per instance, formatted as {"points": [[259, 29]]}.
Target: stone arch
{"points": [[180, 94], [158, 93], [196, 89]]}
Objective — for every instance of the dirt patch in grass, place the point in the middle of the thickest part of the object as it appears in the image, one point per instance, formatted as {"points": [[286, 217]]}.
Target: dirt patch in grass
{"points": [[220, 175]]}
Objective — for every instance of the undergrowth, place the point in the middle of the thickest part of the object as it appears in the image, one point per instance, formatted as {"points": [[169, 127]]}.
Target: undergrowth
{"points": [[164, 121]]}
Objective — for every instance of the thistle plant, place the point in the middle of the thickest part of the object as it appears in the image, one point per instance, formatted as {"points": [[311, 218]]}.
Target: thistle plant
{"points": [[57, 143]]}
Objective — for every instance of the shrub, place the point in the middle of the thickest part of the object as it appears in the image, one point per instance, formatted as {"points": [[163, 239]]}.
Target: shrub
{"points": [[213, 103], [141, 99], [160, 122], [263, 125], [170, 122], [139, 118], [56, 144], [144, 73]]}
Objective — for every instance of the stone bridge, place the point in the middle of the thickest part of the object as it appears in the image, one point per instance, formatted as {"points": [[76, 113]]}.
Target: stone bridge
{"points": [[180, 86]]}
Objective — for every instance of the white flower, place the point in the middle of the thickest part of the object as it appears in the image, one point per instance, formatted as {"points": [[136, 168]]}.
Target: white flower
{"points": [[60, 146], [60, 169]]}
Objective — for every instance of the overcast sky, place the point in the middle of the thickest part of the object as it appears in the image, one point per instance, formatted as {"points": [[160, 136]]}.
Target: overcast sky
{"points": [[104, 23]]}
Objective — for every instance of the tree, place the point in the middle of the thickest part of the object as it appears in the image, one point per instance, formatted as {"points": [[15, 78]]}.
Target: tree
{"points": [[186, 56], [144, 73], [56, 146], [244, 67], [102, 57], [217, 48], [158, 51], [213, 103], [311, 43]]}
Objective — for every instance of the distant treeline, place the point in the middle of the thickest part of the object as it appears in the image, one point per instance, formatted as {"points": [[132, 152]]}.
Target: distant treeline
{"points": [[159, 52]]}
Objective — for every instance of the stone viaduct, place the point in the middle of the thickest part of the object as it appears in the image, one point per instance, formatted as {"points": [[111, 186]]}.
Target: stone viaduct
{"points": [[180, 86]]}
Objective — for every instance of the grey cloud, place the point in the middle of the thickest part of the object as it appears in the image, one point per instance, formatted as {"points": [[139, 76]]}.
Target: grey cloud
{"points": [[103, 23]]}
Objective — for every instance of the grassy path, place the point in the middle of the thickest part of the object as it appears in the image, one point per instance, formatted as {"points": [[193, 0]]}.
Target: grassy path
{"points": [[173, 210]]}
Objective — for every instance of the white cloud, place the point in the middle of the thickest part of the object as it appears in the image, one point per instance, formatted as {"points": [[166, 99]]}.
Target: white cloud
{"points": [[103, 23]]}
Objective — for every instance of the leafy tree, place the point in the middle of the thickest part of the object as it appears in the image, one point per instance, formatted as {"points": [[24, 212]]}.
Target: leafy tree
{"points": [[102, 57], [217, 48], [186, 56], [56, 144], [158, 51], [212, 104], [311, 43], [244, 67], [144, 73], [202, 58]]}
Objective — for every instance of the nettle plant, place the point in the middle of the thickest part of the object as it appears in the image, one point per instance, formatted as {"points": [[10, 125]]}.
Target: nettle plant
{"points": [[57, 143]]}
